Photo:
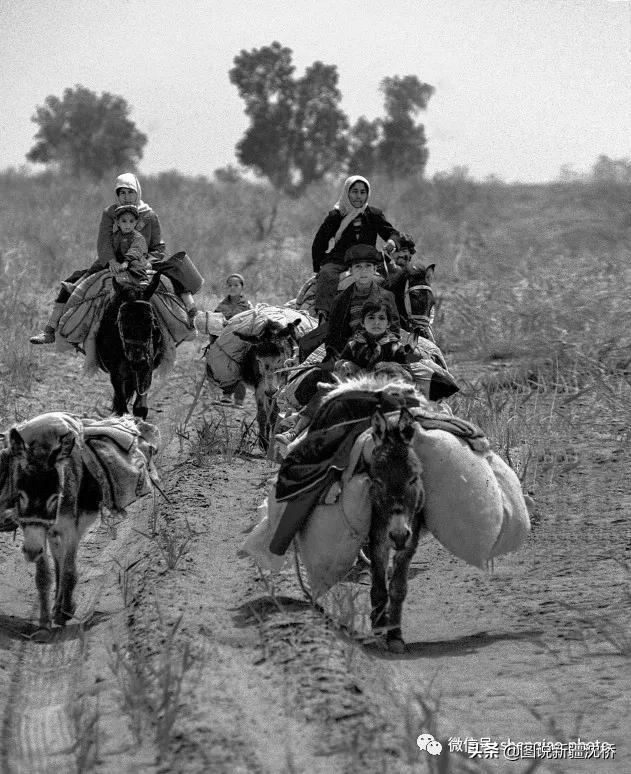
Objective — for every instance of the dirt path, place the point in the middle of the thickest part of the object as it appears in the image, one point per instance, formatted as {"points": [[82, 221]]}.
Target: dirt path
{"points": [[265, 684]]}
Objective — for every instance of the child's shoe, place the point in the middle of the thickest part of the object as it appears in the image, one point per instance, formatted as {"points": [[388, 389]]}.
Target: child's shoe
{"points": [[287, 437], [47, 336]]}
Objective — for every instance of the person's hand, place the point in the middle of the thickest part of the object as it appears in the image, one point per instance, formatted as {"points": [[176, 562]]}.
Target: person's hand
{"points": [[389, 247], [117, 268]]}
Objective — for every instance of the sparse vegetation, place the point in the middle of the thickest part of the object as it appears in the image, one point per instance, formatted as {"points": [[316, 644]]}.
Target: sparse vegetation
{"points": [[536, 318]]}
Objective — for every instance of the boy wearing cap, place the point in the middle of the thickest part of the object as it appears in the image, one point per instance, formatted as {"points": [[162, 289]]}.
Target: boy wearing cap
{"points": [[346, 316]]}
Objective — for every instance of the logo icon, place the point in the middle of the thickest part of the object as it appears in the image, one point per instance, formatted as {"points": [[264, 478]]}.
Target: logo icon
{"points": [[429, 744]]}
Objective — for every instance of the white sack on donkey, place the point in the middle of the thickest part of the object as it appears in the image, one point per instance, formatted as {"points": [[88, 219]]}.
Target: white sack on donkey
{"points": [[474, 504]]}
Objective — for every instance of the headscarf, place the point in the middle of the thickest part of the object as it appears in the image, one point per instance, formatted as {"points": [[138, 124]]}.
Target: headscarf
{"points": [[129, 180], [345, 208]]}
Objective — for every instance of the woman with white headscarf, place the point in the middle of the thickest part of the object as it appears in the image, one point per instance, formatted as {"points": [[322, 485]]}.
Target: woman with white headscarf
{"points": [[127, 191], [351, 221]]}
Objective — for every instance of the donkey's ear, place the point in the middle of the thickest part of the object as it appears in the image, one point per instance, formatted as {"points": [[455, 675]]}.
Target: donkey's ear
{"points": [[406, 425], [290, 329], [64, 450], [429, 272], [16, 444], [379, 427]]}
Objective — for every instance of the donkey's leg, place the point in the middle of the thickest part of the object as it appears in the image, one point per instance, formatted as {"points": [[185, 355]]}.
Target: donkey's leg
{"points": [[63, 540], [398, 590], [378, 551], [123, 389], [262, 416], [42, 581], [140, 406]]}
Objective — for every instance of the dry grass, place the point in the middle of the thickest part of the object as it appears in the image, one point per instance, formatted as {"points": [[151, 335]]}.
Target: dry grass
{"points": [[150, 689]]}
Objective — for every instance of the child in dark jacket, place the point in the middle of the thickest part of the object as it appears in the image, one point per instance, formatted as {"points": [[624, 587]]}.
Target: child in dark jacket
{"points": [[373, 343], [232, 304]]}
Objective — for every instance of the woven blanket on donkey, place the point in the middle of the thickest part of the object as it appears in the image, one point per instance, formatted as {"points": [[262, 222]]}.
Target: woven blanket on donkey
{"points": [[117, 452], [318, 459], [225, 355], [84, 310], [474, 503]]}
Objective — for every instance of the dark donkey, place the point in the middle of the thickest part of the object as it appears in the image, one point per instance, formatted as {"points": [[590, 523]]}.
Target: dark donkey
{"points": [[128, 344], [56, 500], [414, 296], [259, 369], [397, 497]]}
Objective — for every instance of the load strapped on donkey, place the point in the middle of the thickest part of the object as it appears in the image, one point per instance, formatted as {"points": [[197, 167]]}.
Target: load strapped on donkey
{"points": [[378, 465], [254, 347]]}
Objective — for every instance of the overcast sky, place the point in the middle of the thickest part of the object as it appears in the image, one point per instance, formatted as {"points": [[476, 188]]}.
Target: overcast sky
{"points": [[522, 86]]}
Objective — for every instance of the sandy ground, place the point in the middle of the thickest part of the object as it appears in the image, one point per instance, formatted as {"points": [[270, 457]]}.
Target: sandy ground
{"points": [[184, 658]]}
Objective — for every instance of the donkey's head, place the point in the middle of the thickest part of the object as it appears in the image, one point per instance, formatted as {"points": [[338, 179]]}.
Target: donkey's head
{"points": [[396, 489], [135, 325], [271, 347], [414, 297], [37, 483]]}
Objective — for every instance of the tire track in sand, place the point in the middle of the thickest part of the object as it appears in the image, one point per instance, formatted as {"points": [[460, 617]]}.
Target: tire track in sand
{"points": [[42, 726]]}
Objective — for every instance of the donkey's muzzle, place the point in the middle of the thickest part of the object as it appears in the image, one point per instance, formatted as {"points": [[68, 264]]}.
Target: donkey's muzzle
{"points": [[32, 553], [399, 532]]}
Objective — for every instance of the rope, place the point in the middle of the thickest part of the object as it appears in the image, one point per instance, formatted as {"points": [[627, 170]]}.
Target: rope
{"points": [[299, 575]]}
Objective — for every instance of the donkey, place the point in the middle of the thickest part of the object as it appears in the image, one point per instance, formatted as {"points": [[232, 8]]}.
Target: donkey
{"points": [[128, 344], [397, 496], [414, 298], [270, 348], [56, 500]]}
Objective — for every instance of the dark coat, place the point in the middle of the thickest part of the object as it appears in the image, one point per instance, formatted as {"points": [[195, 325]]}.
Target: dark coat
{"points": [[339, 320], [373, 224], [365, 351]]}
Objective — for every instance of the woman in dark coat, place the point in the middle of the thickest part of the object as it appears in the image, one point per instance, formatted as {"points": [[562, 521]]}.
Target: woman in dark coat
{"points": [[352, 221]]}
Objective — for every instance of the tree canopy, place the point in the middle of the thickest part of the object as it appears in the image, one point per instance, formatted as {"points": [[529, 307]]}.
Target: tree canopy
{"points": [[85, 132], [394, 145], [298, 131]]}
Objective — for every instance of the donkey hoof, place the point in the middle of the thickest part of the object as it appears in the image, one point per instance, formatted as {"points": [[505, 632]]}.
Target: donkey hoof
{"points": [[62, 617], [396, 646], [43, 634]]}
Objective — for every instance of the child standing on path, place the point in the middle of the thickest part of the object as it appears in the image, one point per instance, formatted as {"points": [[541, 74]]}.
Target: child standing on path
{"points": [[232, 304]]}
